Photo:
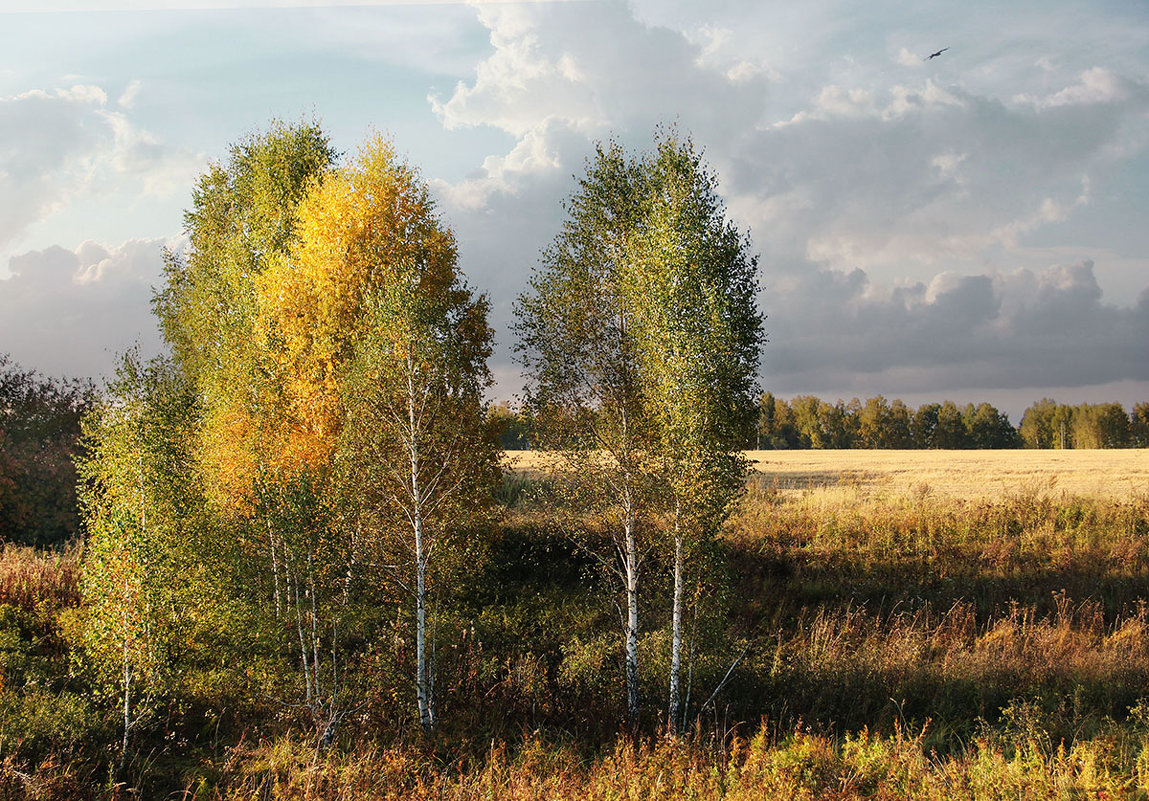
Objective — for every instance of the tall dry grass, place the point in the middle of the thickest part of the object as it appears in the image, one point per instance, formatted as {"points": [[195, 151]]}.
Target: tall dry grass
{"points": [[845, 669], [798, 765], [37, 580], [845, 518]]}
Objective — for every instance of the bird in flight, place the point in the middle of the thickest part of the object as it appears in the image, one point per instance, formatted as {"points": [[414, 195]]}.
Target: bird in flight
{"points": [[935, 55]]}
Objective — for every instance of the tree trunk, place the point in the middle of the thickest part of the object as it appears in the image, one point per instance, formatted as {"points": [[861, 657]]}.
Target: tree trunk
{"points": [[422, 683], [127, 688], [304, 662], [676, 626], [274, 568], [422, 687], [631, 578]]}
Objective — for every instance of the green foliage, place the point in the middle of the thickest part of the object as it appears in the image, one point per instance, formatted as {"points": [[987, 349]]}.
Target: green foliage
{"points": [[143, 516], [38, 721], [242, 217], [1139, 425], [884, 425], [988, 428], [1048, 424], [640, 337], [777, 429], [514, 426], [39, 435], [572, 325], [575, 340], [822, 425], [690, 290], [690, 286], [809, 422]]}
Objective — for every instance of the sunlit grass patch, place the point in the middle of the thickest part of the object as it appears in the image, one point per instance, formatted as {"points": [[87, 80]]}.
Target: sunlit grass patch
{"points": [[31, 578], [967, 474]]}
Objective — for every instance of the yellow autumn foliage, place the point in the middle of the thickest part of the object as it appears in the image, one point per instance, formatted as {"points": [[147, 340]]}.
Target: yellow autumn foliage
{"points": [[360, 227]]}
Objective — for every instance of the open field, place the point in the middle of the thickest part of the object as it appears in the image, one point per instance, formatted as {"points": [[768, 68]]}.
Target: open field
{"points": [[967, 474], [870, 624]]}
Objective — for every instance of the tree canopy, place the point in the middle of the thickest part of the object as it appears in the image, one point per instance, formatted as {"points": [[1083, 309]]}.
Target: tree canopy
{"points": [[40, 420], [640, 335], [330, 363]]}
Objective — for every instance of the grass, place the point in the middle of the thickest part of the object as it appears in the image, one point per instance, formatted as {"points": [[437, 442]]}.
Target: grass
{"points": [[767, 765], [875, 474], [924, 625], [33, 580]]}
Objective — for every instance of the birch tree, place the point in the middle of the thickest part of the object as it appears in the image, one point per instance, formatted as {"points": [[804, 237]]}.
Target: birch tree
{"points": [[140, 504], [243, 220], [640, 337], [690, 282], [575, 342], [383, 351], [265, 478]]}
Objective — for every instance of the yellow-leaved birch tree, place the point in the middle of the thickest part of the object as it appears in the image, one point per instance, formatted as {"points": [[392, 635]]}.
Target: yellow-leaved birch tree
{"points": [[381, 349]]}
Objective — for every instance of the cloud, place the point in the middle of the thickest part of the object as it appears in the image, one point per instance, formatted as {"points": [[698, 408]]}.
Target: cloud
{"points": [[127, 98], [595, 69], [1095, 85], [886, 211], [49, 139], [926, 174], [71, 313], [559, 77], [908, 59], [542, 153], [61, 143], [1017, 329], [61, 6]]}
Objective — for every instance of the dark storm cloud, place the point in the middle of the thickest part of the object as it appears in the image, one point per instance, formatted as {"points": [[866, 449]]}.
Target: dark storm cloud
{"points": [[1021, 329]]}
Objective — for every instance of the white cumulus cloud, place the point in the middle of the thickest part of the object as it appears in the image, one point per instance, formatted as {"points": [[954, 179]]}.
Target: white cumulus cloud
{"points": [[60, 143]]}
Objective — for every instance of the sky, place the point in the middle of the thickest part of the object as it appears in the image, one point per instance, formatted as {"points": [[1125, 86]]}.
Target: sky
{"points": [[972, 227]]}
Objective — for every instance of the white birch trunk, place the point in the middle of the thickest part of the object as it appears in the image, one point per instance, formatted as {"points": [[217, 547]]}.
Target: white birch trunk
{"points": [[422, 687], [274, 569], [676, 625], [294, 586], [127, 685], [422, 683], [314, 628], [631, 578]]}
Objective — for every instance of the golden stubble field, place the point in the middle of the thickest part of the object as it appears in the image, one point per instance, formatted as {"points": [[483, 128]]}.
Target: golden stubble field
{"points": [[966, 474]]}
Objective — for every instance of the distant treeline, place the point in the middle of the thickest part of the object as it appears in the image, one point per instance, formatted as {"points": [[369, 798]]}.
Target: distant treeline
{"points": [[810, 422], [39, 438]]}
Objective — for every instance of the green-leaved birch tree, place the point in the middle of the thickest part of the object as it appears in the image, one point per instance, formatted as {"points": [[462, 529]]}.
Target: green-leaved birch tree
{"points": [[639, 335], [141, 505], [575, 343], [690, 282]]}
